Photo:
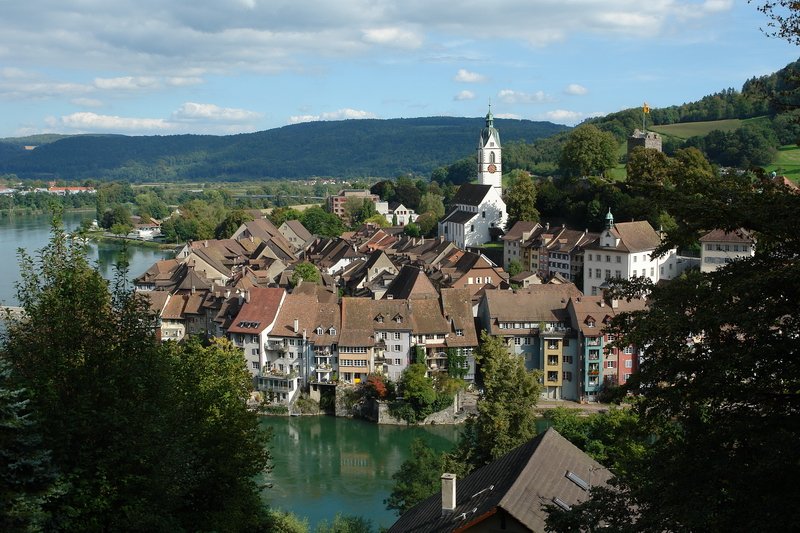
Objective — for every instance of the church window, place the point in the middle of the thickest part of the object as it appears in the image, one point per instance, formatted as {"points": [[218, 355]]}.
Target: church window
{"points": [[483, 214], [472, 227], [491, 157]]}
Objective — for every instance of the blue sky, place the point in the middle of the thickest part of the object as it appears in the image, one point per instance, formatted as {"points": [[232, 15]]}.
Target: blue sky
{"points": [[161, 67]]}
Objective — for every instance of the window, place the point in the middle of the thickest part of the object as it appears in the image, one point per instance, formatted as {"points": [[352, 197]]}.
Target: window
{"points": [[590, 272], [597, 273], [318, 331], [397, 347], [567, 376], [708, 247], [590, 323], [627, 377], [652, 271], [256, 366], [629, 363], [618, 273], [608, 259], [634, 273], [291, 342], [332, 331], [472, 227], [628, 350], [590, 257], [397, 361], [619, 259], [610, 364], [459, 333], [567, 359], [254, 351], [397, 335], [517, 341], [527, 341], [608, 274], [483, 214]]}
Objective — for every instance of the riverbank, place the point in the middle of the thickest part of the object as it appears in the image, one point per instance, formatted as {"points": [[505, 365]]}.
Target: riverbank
{"points": [[130, 241]]}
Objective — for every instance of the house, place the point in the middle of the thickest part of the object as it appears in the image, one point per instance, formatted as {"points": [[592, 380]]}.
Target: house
{"points": [[511, 493], [336, 204], [513, 243], [545, 250], [625, 251], [719, 247], [400, 215], [536, 326], [602, 363], [250, 329], [477, 212], [297, 235]]}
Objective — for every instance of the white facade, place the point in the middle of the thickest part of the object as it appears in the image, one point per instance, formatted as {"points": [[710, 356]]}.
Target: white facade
{"points": [[717, 248]]}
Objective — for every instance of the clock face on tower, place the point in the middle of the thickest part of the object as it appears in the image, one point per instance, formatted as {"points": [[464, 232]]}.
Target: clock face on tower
{"points": [[491, 168]]}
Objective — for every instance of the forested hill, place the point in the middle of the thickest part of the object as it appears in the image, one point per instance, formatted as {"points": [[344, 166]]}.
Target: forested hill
{"points": [[350, 148]]}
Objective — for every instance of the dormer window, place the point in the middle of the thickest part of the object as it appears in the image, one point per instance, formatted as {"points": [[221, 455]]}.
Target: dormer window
{"points": [[379, 319], [332, 331], [318, 331], [398, 319], [459, 333]]}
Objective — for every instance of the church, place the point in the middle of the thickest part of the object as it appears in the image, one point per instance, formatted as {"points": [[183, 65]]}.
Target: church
{"points": [[477, 212]]}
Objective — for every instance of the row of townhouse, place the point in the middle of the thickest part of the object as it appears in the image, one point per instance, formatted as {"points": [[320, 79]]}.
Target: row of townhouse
{"points": [[562, 333], [307, 336]]}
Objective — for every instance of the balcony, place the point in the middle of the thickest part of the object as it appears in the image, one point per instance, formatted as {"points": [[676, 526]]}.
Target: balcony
{"points": [[594, 372], [324, 367], [274, 346], [594, 342]]}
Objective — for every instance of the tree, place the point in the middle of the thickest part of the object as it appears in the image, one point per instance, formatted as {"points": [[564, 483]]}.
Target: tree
{"points": [[305, 271], [417, 478], [521, 199], [506, 417], [320, 222], [279, 215], [231, 223], [588, 152], [514, 267], [647, 166], [346, 524], [718, 386], [146, 436], [432, 203], [27, 477], [412, 230], [417, 391]]}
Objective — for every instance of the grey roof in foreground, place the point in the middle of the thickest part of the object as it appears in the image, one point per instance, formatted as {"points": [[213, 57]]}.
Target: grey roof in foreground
{"points": [[521, 483]]}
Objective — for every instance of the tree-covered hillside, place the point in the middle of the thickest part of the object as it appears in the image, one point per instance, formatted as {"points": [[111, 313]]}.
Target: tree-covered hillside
{"points": [[349, 148]]}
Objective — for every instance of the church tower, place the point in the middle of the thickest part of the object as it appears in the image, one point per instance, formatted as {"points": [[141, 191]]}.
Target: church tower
{"points": [[490, 167]]}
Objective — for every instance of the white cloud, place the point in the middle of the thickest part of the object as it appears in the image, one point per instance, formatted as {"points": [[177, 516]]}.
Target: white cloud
{"points": [[191, 111], [89, 122], [510, 96], [563, 116], [508, 115], [341, 114], [575, 89], [466, 76], [127, 83], [397, 37], [464, 95], [183, 81]]}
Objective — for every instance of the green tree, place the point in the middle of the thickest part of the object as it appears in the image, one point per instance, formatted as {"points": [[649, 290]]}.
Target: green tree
{"points": [[412, 230], [718, 386], [231, 223], [320, 222], [417, 478], [432, 203], [418, 391], [279, 215], [346, 524], [647, 166], [521, 199], [588, 152], [27, 477], [305, 271], [514, 267], [506, 416], [145, 436], [278, 521]]}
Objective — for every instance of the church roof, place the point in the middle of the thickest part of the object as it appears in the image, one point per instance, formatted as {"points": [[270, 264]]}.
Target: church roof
{"points": [[459, 216], [471, 194]]}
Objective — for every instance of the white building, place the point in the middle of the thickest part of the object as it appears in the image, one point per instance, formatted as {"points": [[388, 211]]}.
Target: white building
{"points": [[624, 251], [718, 247], [477, 211]]}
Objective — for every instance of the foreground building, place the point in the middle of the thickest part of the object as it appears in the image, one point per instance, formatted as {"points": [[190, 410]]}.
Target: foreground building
{"points": [[511, 493], [719, 247]]}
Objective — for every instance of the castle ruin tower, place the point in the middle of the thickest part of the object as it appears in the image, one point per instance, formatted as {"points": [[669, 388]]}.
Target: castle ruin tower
{"points": [[490, 167]]}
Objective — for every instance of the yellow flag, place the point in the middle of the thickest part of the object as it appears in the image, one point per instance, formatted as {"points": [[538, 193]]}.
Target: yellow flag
{"points": [[646, 108]]}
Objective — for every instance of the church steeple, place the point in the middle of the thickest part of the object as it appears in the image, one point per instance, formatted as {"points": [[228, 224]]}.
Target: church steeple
{"points": [[490, 168]]}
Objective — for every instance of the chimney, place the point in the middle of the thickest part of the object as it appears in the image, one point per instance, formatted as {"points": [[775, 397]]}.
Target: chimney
{"points": [[296, 325], [448, 493], [603, 301], [205, 244], [547, 226], [614, 303], [247, 296]]}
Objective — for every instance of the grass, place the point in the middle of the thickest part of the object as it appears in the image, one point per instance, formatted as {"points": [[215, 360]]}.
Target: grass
{"points": [[787, 163], [684, 130]]}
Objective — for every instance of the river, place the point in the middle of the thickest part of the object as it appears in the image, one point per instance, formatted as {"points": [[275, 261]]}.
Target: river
{"points": [[32, 232], [322, 465]]}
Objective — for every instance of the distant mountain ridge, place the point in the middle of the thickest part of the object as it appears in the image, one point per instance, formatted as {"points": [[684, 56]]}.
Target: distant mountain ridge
{"points": [[349, 148]]}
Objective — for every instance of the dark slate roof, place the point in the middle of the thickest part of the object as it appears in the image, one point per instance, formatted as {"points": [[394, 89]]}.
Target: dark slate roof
{"points": [[470, 194], [520, 483], [410, 283], [459, 217]]}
